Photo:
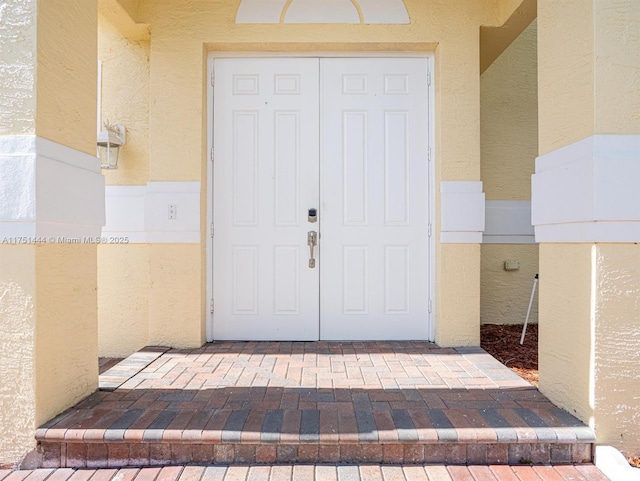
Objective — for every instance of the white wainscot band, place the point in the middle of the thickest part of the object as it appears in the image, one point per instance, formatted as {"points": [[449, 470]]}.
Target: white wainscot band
{"points": [[462, 212], [159, 212]]}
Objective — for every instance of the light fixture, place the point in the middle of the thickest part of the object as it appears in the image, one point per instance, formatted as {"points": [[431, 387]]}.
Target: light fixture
{"points": [[109, 142]]}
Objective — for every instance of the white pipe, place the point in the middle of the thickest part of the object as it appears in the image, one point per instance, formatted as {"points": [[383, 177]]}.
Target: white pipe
{"points": [[526, 321]]}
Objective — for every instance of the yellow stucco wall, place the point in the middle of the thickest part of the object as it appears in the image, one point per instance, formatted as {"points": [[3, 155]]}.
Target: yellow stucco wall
{"points": [[589, 337], [504, 295], [48, 294], [617, 76], [18, 47], [509, 120], [565, 39], [49, 346], [509, 146], [130, 7], [177, 66], [588, 80], [66, 328], [123, 298], [123, 269], [38, 96], [178, 136], [565, 336], [458, 272], [616, 355], [175, 297], [125, 100], [17, 350], [67, 42], [147, 291], [495, 40], [581, 44]]}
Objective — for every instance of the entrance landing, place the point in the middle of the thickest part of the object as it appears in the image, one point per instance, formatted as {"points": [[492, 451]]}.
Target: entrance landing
{"points": [[314, 402]]}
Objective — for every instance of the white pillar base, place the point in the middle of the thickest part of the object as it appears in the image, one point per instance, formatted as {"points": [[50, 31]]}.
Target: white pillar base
{"points": [[49, 193], [588, 191]]}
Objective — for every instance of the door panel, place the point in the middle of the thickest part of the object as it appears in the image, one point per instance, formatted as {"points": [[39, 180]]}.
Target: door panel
{"points": [[374, 199], [346, 136], [265, 178]]}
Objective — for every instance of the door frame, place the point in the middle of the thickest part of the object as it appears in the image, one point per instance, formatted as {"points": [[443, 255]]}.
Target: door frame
{"points": [[209, 159]]}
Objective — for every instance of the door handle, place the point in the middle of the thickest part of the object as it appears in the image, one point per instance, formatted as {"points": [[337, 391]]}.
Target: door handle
{"points": [[312, 241]]}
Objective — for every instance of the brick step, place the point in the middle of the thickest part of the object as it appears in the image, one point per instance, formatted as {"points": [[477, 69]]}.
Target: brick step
{"points": [[400, 402], [121, 454]]}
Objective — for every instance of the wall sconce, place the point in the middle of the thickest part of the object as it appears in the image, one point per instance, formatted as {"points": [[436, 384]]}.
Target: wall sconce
{"points": [[109, 142]]}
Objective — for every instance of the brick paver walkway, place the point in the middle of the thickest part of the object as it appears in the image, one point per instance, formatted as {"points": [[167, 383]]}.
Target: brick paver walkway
{"points": [[316, 473], [249, 402]]}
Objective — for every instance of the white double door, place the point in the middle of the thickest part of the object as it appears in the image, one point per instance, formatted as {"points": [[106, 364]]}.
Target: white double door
{"points": [[348, 138]]}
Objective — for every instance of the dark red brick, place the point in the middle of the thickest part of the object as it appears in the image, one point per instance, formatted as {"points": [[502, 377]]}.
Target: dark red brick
{"points": [[456, 454], [159, 454], [266, 454], [477, 453], [223, 453], [497, 453], [414, 453], [97, 456], [286, 454], [76, 455], [181, 453], [308, 453], [203, 453], [245, 453], [392, 453], [139, 454], [329, 453], [52, 456]]}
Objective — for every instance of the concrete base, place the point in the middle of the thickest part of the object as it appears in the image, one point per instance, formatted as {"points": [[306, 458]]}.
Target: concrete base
{"points": [[614, 465]]}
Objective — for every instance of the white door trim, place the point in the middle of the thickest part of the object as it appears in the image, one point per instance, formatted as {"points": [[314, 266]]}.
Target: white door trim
{"points": [[210, 150]]}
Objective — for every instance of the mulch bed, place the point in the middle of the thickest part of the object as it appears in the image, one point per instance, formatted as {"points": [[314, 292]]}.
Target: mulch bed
{"points": [[503, 343]]}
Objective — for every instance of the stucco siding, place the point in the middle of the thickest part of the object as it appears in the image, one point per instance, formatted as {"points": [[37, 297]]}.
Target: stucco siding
{"points": [[67, 73], [123, 298], [17, 351], [588, 82], [125, 100], [175, 60], [588, 73], [48, 290], [175, 297], [509, 120], [178, 129], [66, 329], [617, 357], [505, 294], [123, 270], [565, 335], [566, 72], [17, 68], [617, 72], [49, 345], [509, 146], [458, 274]]}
